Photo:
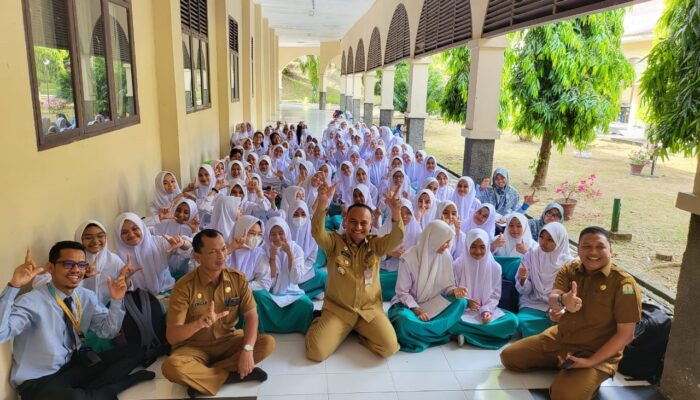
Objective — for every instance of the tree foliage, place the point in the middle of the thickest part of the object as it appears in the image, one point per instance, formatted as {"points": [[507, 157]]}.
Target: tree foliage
{"points": [[671, 82], [310, 66], [453, 102], [401, 82], [566, 81]]}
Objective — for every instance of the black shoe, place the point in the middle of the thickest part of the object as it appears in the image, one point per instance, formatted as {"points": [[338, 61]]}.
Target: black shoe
{"points": [[256, 374], [316, 313], [193, 393]]}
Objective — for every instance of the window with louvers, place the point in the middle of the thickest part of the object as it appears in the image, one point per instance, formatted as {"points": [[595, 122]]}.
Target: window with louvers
{"points": [[398, 43], [443, 24], [503, 16], [350, 66], [233, 60], [195, 30], [360, 57], [193, 16], [374, 53], [342, 65]]}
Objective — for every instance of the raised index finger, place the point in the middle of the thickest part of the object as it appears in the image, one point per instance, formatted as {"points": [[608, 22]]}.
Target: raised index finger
{"points": [[28, 256]]}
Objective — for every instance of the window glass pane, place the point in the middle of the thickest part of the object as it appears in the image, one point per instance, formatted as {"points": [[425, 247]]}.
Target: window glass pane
{"points": [[204, 50], [121, 61], [197, 71], [52, 56], [91, 44], [187, 62]]}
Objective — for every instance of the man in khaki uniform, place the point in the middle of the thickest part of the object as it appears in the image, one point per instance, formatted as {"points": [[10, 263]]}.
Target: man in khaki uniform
{"points": [[208, 350], [597, 306], [353, 299]]}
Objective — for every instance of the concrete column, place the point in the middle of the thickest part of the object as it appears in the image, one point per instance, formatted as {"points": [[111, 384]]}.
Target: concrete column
{"points": [[682, 366], [370, 80], [356, 96], [481, 128], [417, 101], [343, 89], [386, 110], [322, 90]]}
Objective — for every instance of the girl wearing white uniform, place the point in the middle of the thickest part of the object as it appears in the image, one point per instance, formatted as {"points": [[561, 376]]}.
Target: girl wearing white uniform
{"points": [[247, 254]]}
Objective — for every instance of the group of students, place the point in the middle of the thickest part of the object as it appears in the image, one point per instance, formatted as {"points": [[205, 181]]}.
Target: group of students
{"points": [[442, 277]]}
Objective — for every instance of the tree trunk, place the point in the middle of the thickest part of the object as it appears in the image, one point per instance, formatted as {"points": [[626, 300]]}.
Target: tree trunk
{"points": [[543, 161]]}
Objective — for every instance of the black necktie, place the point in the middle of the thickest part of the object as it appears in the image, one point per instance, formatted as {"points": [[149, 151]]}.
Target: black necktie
{"points": [[69, 325]]}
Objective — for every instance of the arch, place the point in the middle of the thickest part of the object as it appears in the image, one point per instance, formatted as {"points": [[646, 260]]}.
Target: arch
{"points": [[342, 64], [360, 57], [350, 66], [98, 40], [443, 24], [285, 55], [398, 43], [374, 53]]}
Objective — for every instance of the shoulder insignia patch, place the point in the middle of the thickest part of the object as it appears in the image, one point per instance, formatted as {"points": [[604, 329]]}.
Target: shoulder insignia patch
{"points": [[627, 288]]}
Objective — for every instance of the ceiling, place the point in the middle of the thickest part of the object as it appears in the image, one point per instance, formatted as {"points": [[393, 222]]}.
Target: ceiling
{"points": [[308, 22]]}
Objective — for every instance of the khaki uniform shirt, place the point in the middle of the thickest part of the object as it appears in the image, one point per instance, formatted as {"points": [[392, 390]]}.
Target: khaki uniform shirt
{"points": [[610, 296], [348, 292], [192, 295]]}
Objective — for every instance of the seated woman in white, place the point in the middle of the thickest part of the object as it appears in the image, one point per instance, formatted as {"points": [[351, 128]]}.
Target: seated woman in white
{"points": [[483, 218], [284, 308], [444, 191], [483, 324], [185, 222], [421, 313], [136, 244], [517, 240], [313, 282], [167, 193], [205, 192], [247, 255], [536, 275], [464, 197], [426, 207], [447, 212]]}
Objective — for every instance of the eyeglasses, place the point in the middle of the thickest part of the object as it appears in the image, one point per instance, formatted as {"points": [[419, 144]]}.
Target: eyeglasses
{"points": [[552, 213], [89, 238], [68, 264]]}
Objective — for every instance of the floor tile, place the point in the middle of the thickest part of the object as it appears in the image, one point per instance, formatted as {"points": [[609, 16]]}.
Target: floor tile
{"points": [[499, 395], [294, 384], [155, 389], [359, 382], [425, 381], [241, 389], [430, 395], [537, 379], [363, 396], [470, 358], [296, 397], [351, 356], [430, 359], [493, 379], [290, 358]]}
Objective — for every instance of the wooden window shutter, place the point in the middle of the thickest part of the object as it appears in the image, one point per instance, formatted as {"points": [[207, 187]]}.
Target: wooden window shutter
{"points": [[374, 53], [398, 45], [342, 64], [443, 24], [52, 17], [360, 57], [193, 15], [233, 34], [350, 66]]}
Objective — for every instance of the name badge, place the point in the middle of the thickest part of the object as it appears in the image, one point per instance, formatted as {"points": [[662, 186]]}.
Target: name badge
{"points": [[200, 303], [368, 277], [232, 301]]}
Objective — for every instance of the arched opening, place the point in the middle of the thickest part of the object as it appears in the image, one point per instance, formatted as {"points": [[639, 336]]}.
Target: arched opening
{"points": [[302, 81]]}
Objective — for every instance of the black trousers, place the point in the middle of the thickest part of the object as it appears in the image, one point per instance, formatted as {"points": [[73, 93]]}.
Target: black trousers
{"points": [[75, 381]]}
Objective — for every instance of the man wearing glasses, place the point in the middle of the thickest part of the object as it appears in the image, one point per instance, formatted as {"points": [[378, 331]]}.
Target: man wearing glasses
{"points": [[48, 326]]}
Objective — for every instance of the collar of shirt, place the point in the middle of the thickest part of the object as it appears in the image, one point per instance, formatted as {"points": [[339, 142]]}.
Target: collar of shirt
{"points": [[204, 278], [605, 270]]}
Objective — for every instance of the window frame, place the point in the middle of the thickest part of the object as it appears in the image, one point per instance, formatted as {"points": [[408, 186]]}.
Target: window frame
{"points": [[82, 131], [234, 65], [203, 39]]}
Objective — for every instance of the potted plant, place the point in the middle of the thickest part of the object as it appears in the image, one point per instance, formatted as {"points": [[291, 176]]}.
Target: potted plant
{"points": [[568, 190], [638, 159]]}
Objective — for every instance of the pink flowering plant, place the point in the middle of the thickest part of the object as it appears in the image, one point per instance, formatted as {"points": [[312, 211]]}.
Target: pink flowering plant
{"points": [[584, 188], [642, 156]]}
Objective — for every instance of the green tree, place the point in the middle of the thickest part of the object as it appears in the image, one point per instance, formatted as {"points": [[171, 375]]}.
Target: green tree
{"points": [[566, 82], [453, 102], [671, 82], [309, 65], [401, 86]]}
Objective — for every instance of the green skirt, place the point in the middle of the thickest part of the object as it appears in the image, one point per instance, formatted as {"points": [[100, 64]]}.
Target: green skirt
{"points": [[295, 317], [333, 222], [97, 344], [493, 335], [532, 322], [387, 279], [316, 285], [415, 335]]}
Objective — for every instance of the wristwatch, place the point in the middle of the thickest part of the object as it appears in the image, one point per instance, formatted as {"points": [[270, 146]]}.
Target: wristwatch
{"points": [[248, 347], [560, 302]]}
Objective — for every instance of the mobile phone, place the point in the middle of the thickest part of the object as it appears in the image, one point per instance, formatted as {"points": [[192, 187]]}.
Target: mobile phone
{"points": [[569, 362]]}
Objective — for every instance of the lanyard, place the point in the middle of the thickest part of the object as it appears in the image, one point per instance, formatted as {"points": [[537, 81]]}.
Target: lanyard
{"points": [[75, 321]]}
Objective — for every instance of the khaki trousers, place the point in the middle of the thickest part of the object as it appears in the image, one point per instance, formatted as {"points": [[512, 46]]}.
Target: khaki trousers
{"points": [[328, 331], [532, 354], [206, 367]]}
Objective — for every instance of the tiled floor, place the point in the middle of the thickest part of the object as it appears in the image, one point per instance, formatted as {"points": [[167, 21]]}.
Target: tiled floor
{"points": [[445, 373]]}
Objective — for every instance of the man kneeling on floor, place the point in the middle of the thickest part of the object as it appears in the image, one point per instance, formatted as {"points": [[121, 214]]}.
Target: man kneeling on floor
{"points": [[602, 304], [48, 324], [208, 350]]}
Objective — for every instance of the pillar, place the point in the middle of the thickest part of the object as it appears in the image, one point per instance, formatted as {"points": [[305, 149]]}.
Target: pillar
{"points": [[322, 86], [386, 110], [343, 88], [682, 365], [356, 96], [370, 80], [417, 102], [481, 128]]}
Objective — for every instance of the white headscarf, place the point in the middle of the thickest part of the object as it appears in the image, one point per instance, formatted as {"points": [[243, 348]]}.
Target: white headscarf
{"points": [[482, 278], [444, 192], [543, 267], [108, 264], [301, 234], [509, 249], [346, 182], [429, 214], [224, 216], [203, 191], [270, 167], [286, 280], [411, 231], [164, 199], [489, 226], [289, 196], [465, 204], [369, 201], [246, 260], [229, 175]]}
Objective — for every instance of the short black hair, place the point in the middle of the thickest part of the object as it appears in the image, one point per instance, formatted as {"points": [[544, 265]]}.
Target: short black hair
{"points": [[234, 151], [360, 205], [65, 244], [595, 230], [198, 240]]}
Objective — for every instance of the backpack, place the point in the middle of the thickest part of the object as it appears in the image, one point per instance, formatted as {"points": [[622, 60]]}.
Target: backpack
{"points": [[643, 358], [144, 325]]}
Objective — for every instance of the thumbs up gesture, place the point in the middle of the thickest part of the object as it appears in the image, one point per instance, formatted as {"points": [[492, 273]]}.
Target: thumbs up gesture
{"points": [[522, 273], [26, 272], [571, 301], [520, 247]]}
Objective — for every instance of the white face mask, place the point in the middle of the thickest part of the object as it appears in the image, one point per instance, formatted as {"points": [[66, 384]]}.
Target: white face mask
{"points": [[298, 221], [253, 241]]}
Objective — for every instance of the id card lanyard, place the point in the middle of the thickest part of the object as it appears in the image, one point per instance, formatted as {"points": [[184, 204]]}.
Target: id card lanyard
{"points": [[75, 321]]}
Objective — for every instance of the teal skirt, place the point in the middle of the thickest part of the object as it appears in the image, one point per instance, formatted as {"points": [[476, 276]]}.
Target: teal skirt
{"points": [[295, 317], [532, 322], [97, 344], [415, 335], [387, 279], [493, 335], [317, 285]]}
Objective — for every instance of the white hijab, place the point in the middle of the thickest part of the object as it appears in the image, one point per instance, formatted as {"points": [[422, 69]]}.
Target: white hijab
{"points": [[479, 276], [411, 231], [301, 234], [283, 282], [164, 199], [430, 213], [203, 191], [509, 249], [465, 204], [489, 226], [246, 260], [366, 193], [225, 214], [108, 264], [543, 267]]}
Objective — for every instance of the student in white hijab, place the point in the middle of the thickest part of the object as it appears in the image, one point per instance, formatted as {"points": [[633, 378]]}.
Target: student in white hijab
{"points": [[136, 244], [268, 176], [284, 308], [390, 265], [483, 324], [444, 191], [247, 254], [397, 178], [185, 223], [299, 221], [236, 170], [205, 192], [517, 239], [378, 166], [290, 194], [227, 209], [464, 197], [447, 212], [483, 218], [536, 275], [420, 313], [93, 235], [426, 206], [167, 192], [361, 175], [346, 179]]}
